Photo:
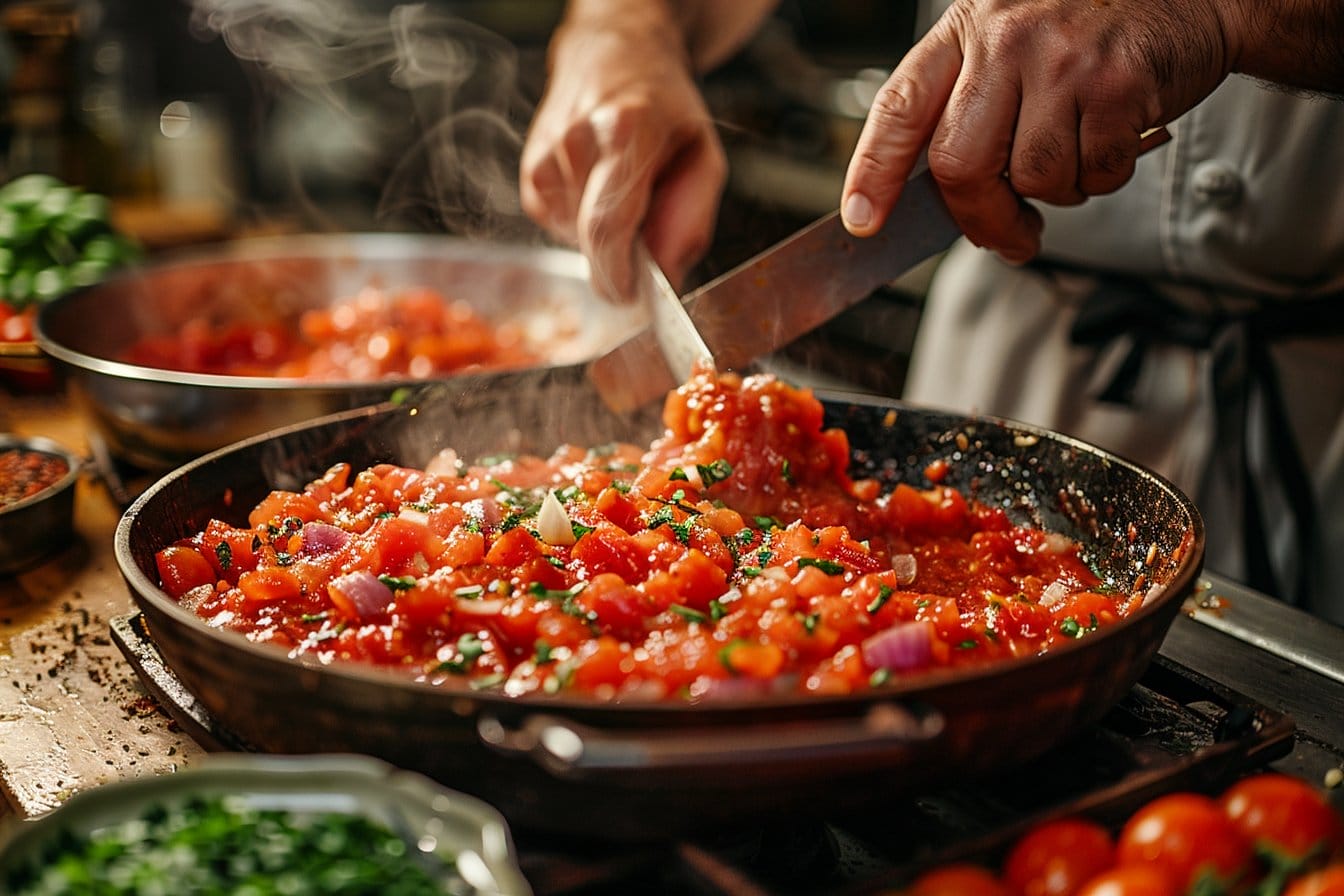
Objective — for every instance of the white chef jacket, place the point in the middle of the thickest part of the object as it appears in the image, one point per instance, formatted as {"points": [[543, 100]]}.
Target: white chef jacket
{"points": [[1244, 206]]}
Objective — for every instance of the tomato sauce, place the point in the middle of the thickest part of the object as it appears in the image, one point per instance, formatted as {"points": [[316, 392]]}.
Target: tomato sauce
{"points": [[25, 473], [413, 332], [734, 555]]}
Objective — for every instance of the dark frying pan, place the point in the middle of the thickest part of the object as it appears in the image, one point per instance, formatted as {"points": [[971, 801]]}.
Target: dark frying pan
{"points": [[644, 770]]}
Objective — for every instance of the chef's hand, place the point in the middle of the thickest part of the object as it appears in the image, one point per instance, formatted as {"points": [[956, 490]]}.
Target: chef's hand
{"points": [[622, 146], [1031, 99]]}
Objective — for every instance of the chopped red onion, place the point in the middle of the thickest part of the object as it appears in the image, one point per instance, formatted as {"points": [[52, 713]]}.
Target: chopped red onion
{"points": [[485, 511], [906, 645], [905, 567], [362, 591], [317, 538]]}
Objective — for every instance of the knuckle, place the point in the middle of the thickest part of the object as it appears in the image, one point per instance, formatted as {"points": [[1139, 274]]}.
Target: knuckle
{"points": [[1105, 167]]}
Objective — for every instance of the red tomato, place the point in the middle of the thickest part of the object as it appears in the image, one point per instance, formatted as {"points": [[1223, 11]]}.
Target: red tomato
{"points": [[1188, 837], [1285, 818], [182, 569], [957, 880], [1130, 880], [1056, 858], [1326, 882]]}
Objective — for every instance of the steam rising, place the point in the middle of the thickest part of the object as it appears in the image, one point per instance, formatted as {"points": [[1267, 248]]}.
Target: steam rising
{"points": [[373, 68]]}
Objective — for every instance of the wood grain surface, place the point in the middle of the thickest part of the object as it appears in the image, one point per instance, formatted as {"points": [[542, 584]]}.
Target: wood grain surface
{"points": [[73, 714]]}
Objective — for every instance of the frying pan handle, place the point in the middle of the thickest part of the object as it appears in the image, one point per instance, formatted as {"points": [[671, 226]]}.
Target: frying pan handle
{"points": [[569, 749]]}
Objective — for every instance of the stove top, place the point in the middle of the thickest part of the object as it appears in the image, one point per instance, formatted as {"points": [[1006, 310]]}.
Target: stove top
{"points": [[1176, 729]]}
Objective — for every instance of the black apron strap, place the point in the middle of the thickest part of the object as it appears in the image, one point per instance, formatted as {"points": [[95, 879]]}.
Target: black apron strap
{"points": [[1242, 369]]}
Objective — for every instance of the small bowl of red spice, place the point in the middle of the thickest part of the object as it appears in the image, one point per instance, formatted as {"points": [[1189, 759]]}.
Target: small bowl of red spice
{"points": [[37, 500]]}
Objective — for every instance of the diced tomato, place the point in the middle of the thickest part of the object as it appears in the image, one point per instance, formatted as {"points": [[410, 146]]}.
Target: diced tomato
{"points": [[183, 568], [609, 549], [513, 548], [272, 584], [279, 506]]}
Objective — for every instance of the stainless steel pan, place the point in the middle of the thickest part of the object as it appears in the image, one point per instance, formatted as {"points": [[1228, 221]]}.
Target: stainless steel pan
{"points": [[159, 419]]}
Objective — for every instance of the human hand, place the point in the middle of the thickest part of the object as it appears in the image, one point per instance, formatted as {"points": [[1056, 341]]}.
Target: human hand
{"points": [[1031, 99], [622, 146]]}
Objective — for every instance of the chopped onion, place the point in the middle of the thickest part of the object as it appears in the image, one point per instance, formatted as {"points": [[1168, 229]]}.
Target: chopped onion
{"points": [[907, 645], [1055, 592], [553, 523], [445, 463], [360, 593], [411, 515], [1057, 543], [905, 567], [316, 539], [477, 607]]}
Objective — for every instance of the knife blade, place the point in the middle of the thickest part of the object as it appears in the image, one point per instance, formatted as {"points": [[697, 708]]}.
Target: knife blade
{"points": [[789, 289], [680, 343]]}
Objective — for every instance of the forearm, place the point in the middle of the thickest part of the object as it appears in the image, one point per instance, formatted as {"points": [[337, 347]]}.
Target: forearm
{"points": [[709, 31], [1297, 43]]}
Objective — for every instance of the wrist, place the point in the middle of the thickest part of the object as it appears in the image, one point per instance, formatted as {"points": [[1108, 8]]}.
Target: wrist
{"points": [[644, 26]]}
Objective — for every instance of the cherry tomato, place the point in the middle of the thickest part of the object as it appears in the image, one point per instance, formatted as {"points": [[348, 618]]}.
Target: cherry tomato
{"points": [[1326, 882], [1188, 837], [1056, 858], [1288, 821], [1130, 880], [958, 880]]}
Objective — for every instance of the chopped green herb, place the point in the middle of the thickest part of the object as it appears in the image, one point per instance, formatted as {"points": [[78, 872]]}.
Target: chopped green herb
{"points": [[1070, 628], [678, 496], [422, 506], [809, 621], [768, 522], [555, 561], [225, 554], [714, 472], [469, 592], [485, 682], [682, 530], [313, 617], [621, 486], [545, 653], [678, 475], [750, 572], [968, 644], [830, 567], [786, 471], [879, 678], [717, 609], [883, 595], [688, 613], [764, 556], [398, 583], [661, 517]]}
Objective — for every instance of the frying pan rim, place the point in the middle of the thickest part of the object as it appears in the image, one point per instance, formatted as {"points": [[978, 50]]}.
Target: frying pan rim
{"points": [[911, 690]]}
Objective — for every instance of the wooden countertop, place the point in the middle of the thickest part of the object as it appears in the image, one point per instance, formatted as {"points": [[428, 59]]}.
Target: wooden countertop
{"points": [[73, 713]]}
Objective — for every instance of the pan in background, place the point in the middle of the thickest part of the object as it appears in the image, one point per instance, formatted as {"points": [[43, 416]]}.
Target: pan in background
{"points": [[645, 770], [158, 419]]}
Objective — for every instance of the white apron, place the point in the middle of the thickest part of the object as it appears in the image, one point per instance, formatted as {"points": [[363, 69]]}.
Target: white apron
{"points": [[1243, 209]]}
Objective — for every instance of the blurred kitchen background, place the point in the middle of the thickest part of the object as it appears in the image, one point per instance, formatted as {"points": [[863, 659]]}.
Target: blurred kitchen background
{"points": [[218, 119]]}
